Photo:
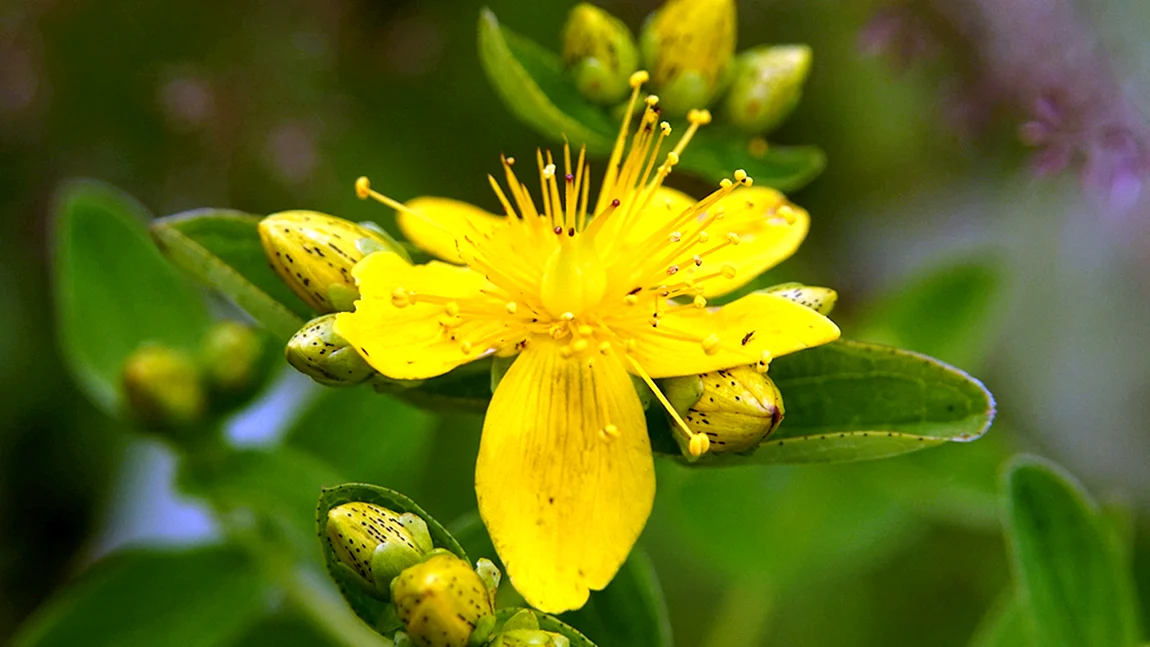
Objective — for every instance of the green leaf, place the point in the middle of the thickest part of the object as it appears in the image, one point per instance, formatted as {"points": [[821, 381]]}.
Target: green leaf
{"points": [[143, 598], [717, 151], [1003, 626], [467, 388], [379, 438], [283, 629], [1074, 585], [630, 612], [113, 289], [222, 248], [850, 401], [530, 81], [946, 312], [374, 612]]}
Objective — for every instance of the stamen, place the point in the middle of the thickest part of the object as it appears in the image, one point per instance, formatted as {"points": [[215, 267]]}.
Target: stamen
{"points": [[696, 447]]}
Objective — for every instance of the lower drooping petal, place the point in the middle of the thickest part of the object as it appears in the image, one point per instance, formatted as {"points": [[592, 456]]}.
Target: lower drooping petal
{"points": [[564, 478], [410, 342], [740, 332], [435, 224]]}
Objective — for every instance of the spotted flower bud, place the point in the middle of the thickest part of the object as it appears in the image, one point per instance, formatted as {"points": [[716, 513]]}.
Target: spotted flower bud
{"points": [[163, 388], [314, 253], [735, 408], [231, 355], [442, 601], [599, 54], [821, 300], [767, 84], [376, 543], [319, 353], [687, 45]]}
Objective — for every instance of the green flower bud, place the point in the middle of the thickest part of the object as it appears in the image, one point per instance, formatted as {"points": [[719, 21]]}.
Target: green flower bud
{"points": [[314, 253], [688, 45], [599, 54], [767, 84], [523, 629], [163, 388], [319, 353], [442, 601], [821, 300], [231, 357], [376, 543], [736, 408]]}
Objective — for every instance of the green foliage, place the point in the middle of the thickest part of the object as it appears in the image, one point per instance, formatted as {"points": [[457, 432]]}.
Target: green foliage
{"points": [[530, 80], [630, 612], [222, 248], [113, 289], [1073, 580], [193, 598], [547, 623]]}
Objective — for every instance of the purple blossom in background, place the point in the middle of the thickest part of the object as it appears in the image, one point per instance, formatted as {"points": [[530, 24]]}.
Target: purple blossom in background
{"points": [[1041, 63]]}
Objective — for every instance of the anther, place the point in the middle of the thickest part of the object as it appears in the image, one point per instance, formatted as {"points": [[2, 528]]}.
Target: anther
{"points": [[674, 269], [362, 187], [567, 316], [605, 347], [549, 171], [711, 344], [726, 183], [611, 430], [700, 302], [665, 127], [511, 161], [676, 236], [672, 158], [740, 175], [585, 330], [630, 345], [698, 260], [639, 78], [704, 236], [511, 307], [565, 352], [400, 298], [465, 346], [558, 231], [733, 238], [452, 308], [652, 100], [728, 271], [579, 345], [571, 232], [698, 445], [630, 299], [701, 117]]}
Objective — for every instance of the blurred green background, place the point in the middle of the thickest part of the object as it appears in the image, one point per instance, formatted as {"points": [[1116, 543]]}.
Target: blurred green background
{"points": [[937, 235]]}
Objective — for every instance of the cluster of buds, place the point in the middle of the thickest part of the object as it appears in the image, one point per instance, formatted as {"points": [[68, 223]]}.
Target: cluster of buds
{"points": [[171, 390], [738, 408], [314, 254], [689, 48], [439, 598]]}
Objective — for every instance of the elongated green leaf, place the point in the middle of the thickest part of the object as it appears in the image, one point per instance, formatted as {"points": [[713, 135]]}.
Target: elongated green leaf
{"points": [[849, 401], [630, 612], [1003, 626], [222, 249], [364, 435], [1074, 585], [467, 388], [531, 82], [374, 612], [114, 291], [144, 598], [717, 151]]}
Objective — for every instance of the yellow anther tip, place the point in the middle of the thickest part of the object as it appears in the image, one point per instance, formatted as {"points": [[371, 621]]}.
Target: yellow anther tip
{"points": [[698, 445], [740, 175], [362, 187], [700, 117], [639, 78], [725, 183], [672, 158], [652, 100], [729, 271]]}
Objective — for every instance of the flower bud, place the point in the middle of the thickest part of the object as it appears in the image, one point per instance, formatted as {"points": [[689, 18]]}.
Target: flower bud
{"points": [[767, 84], [599, 54], [231, 357], [821, 300], [736, 408], [163, 388], [442, 601], [522, 629], [688, 45], [376, 543], [314, 253], [319, 353]]}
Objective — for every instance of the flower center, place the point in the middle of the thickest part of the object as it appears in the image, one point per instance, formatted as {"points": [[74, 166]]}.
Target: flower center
{"points": [[574, 278]]}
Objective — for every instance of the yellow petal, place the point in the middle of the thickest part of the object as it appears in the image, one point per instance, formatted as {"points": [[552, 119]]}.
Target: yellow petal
{"points": [[770, 229], [409, 343], [563, 499], [742, 331], [436, 223], [666, 204]]}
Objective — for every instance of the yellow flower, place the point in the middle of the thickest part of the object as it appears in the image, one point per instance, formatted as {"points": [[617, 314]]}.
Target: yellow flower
{"points": [[585, 293]]}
